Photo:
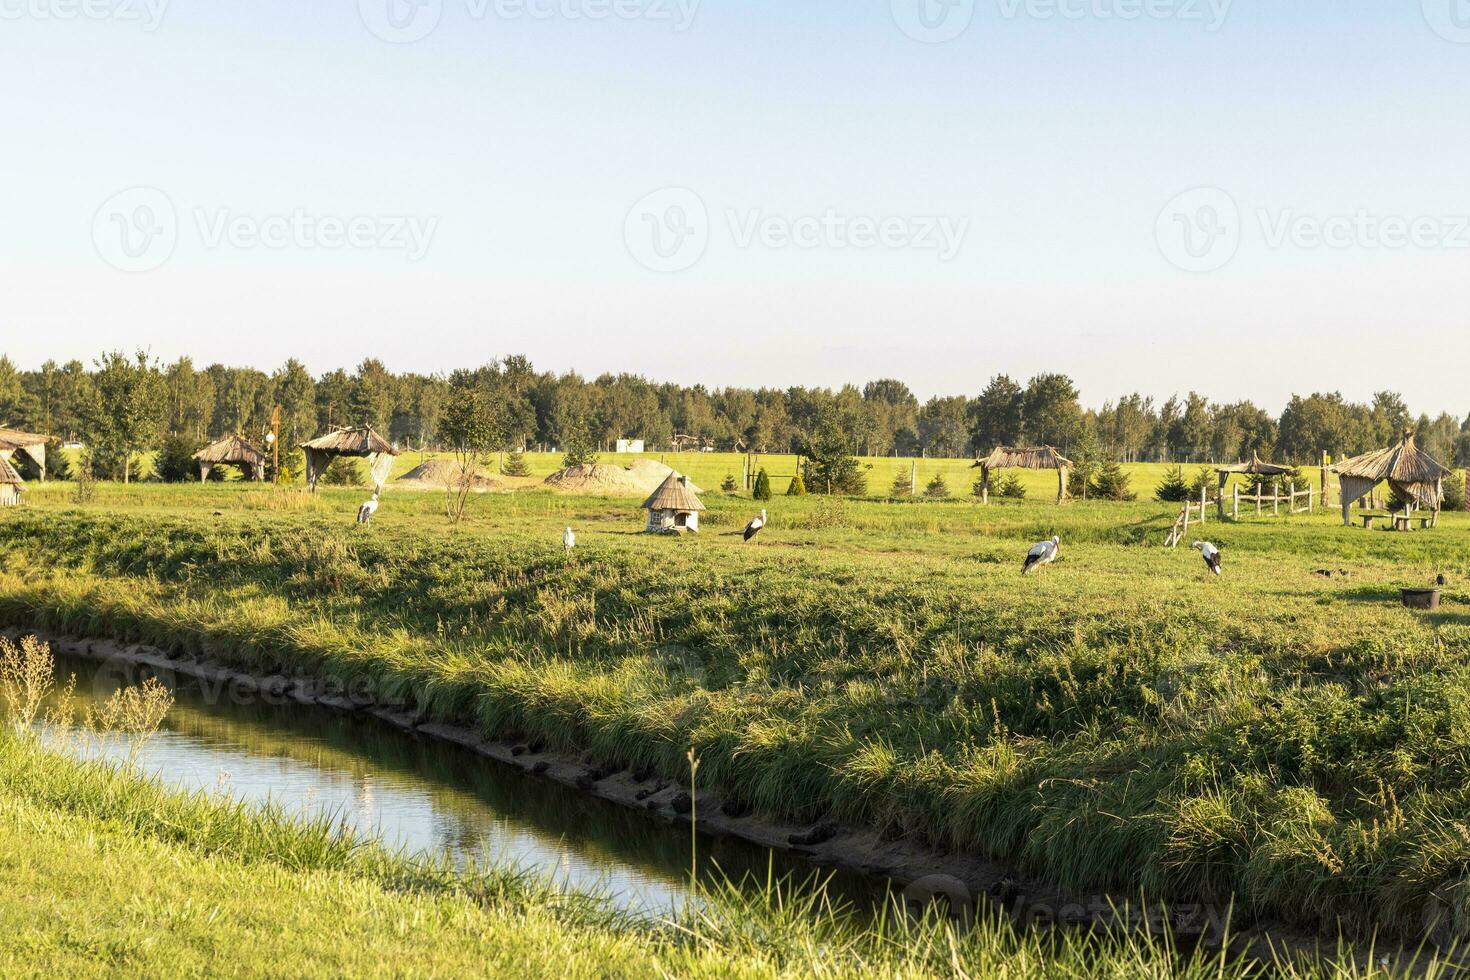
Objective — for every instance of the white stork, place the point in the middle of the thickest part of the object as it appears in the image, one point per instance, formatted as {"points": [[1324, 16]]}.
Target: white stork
{"points": [[1210, 554], [569, 540], [1042, 553], [368, 509], [755, 525]]}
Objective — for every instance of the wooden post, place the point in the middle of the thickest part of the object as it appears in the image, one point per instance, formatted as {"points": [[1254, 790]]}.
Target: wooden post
{"points": [[984, 484], [1204, 501], [1291, 496], [1258, 498], [914, 480], [1311, 500], [1235, 501], [1061, 484], [1323, 475], [1275, 498], [1185, 529], [1220, 497]]}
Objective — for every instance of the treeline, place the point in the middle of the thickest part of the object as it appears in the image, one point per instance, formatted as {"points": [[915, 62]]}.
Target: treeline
{"points": [[544, 410]]}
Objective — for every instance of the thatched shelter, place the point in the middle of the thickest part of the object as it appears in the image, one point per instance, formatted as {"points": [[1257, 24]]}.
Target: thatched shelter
{"points": [[1042, 458], [233, 451], [29, 444], [11, 485], [360, 442], [1410, 471], [673, 508]]}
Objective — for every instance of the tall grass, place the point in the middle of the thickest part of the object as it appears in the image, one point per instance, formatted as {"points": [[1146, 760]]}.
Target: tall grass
{"points": [[1292, 741]]}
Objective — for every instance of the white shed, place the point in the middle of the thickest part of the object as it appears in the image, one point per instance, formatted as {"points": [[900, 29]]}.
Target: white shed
{"points": [[673, 508]]}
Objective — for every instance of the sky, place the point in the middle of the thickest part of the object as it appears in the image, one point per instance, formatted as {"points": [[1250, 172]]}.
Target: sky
{"points": [[1247, 198]]}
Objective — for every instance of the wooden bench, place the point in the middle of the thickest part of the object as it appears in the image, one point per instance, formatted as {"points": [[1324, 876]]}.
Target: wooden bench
{"points": [[1368, 519], [1404, 522]]}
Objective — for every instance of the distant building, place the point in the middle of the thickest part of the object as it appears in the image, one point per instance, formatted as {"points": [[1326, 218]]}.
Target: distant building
{"points": [[630, 445]]}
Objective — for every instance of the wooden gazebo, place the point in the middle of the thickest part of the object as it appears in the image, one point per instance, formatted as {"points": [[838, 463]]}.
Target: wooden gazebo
{"points": [[360, 442], [28, 444], [1256, 467], [1410, 471], [235, 451], [1042, 458], [11, 485]]}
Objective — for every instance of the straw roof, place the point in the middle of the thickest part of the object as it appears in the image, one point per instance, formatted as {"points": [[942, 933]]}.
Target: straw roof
{"points": [[1404, 464], [8, 475], [1041, 458], [231, 449], [673, 494], [11, 439], [1256, 467], [357, 441]]}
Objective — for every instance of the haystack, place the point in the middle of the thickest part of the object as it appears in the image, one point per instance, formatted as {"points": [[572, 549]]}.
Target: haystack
{"points": [[673, 508], [437, 474], [233, 450], [602, 480], [360, 442], [1413, 474], [1038, 458], [11, 485], [29, 444]]}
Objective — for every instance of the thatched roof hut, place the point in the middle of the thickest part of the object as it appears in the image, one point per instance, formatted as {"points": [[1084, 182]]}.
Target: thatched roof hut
{"points": [[1036, 458], [1409, 470], [31, 444], [234, 450], [673, 507], [1256, 467], [11, 485], [358, 441]]}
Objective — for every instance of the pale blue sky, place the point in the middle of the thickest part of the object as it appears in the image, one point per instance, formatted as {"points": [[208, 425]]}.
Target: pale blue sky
{"points": [[523, 144]]}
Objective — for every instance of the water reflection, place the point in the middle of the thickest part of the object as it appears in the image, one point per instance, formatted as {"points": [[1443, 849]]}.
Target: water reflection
{"points": [[434, 797]]}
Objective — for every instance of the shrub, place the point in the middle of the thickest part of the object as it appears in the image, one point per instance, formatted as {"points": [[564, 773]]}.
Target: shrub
{"points": [[175, 462], [936, 487], [515, 464], [832, 466], [762, 485], [344, 472], [729, 485], [1012, 487], [903, 486], [1174, 489], [1454, 491], [86, 479], [1111, 483], [796, 488], [579, 451]]}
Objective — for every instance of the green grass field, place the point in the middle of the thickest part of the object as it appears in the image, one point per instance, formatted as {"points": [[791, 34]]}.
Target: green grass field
{"points": [[708, 470], [1296, 742]]}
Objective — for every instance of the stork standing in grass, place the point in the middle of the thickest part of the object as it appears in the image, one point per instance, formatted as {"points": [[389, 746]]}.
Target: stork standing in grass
{"points": [[569, 540], [1210, 554], [1042, 553], [368, 509], [755, 525]]}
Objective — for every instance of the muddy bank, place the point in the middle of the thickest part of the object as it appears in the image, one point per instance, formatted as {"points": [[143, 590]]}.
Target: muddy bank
{"points": [[920, 873]]}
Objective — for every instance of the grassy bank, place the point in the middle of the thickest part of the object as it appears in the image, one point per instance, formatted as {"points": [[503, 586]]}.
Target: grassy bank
{"points": [[105, 873], [1293, 741]]}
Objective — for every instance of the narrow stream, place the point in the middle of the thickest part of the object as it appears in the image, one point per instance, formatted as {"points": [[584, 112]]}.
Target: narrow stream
{"points": [[437, 798]]}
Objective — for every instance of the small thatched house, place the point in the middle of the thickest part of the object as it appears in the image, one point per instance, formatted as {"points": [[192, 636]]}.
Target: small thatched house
{"points": [[673, 508], [360, 442], [29, 444], [1041, 458], [11, 485], [1410, 471], [232, 451]]}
